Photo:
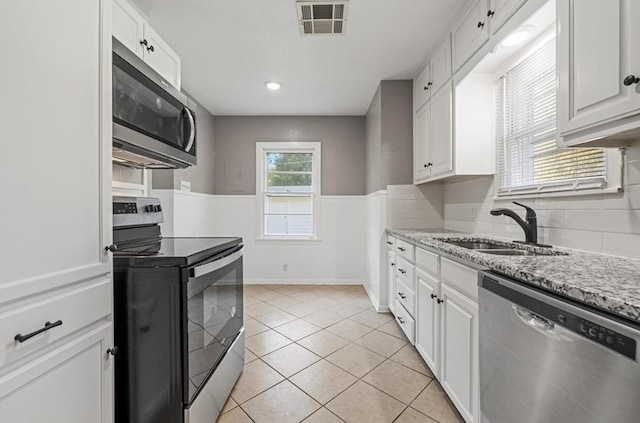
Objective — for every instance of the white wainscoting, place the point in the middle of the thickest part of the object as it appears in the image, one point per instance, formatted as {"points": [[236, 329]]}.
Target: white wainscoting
{"points": [[338, 258], [376, 262]]}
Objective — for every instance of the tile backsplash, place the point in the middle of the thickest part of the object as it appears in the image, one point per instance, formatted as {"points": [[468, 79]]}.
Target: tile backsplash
{"points": [[410, 206], [606, 223]]}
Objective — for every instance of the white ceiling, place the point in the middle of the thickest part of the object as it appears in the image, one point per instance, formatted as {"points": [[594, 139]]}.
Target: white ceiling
{"points": [[229, 48]]}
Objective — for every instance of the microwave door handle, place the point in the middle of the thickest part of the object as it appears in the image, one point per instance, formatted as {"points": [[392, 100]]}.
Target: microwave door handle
{"points": [[180, 125], [204, 269], [192, 129]]}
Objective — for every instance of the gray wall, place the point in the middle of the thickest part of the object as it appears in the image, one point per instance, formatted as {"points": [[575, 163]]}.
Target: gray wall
{"points": [[374, 143], [389, 124], [343, 149], [201, 175]]}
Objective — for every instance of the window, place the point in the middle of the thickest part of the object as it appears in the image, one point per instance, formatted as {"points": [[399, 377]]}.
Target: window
{"points": [[528, 160], [288, 185]]}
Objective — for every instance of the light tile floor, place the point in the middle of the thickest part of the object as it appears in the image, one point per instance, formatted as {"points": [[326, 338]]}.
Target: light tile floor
{"points": [[321, 354]]}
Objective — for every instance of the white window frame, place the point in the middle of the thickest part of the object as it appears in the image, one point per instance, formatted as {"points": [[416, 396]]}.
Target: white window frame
{"points": [[262, 149], [614, 157]]}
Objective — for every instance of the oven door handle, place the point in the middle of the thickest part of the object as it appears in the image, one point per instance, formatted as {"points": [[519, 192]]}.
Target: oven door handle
{"points": [[201, 270]]}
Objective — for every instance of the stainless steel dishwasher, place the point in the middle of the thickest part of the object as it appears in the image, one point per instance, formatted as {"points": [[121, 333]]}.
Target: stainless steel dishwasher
{"points": [[548, 360]]}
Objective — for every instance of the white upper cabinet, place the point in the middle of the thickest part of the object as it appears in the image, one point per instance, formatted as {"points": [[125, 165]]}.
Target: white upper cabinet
{"points": [[440, 65], [421, 88], [421, 144], [500, 11], [470, 32], [598, 69], [441, 139], [130, 28]]}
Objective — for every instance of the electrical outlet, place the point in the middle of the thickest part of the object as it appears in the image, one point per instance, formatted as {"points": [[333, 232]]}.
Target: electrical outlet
{"points": [[285, 267], [185, 186]]}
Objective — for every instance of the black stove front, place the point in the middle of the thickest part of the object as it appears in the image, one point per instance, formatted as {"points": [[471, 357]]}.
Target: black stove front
{"points": [[178, 307]]}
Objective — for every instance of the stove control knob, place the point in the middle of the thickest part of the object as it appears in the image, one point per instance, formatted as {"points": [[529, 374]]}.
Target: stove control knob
{"points": [[592, 332], [113, 248], [149, 208]]}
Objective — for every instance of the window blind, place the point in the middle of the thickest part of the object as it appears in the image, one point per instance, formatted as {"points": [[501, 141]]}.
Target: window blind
{"points": [[528, 159]]}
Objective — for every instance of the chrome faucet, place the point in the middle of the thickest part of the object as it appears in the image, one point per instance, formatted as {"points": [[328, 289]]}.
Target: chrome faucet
{"points": [[530, 227]]}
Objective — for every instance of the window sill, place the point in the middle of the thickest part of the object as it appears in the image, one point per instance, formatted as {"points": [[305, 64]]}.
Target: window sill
{"points": [[577, 193], [288, 241]]}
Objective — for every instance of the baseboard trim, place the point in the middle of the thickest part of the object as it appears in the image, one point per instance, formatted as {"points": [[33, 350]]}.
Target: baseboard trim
{"points": [[375, 301], [303, 282]]}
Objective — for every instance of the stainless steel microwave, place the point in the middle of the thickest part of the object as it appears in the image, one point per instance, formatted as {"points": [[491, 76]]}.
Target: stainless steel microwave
{"points": [[152, 125]]}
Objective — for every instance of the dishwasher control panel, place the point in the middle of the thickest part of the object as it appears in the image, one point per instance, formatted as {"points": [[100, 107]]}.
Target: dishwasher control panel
{"points": [[598, 333]]}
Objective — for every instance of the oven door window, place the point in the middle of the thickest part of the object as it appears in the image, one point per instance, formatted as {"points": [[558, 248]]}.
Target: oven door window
{"points": [[214, 310]]}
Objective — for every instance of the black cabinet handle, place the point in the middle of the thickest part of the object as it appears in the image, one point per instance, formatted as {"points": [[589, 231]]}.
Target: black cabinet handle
{"points": [[429, 84], [393, 264], [433, 296], [389, 242], [490, 13], [144, 43], [429, 164], [401, 320], [402, 271], [112, 351], [150, 48], [426, 165], [401, 249], [113, 248], [425, 88], [631, 79], [440, 301], [48, 325], [480, 24], [401, 295]]}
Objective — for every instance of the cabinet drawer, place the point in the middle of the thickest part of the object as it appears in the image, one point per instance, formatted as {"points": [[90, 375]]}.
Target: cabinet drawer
{"points": [[406, 322], [405, 250], [405, 271], [76, 309], [405, 296], [462, 278], [391, 243], [428, 261]]}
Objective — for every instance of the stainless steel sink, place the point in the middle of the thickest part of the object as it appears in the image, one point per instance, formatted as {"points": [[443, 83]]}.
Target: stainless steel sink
{"points": [[503, 249], [477, 245], [512, 252]]}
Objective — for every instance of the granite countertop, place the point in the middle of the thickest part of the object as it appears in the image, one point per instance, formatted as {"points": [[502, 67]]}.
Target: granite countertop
{"points": [[606, 282]]}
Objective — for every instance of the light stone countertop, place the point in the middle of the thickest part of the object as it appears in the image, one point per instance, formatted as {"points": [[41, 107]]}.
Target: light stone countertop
{"points": [[607, 282]]}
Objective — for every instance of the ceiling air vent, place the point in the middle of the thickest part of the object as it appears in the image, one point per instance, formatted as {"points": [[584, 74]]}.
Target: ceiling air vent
{"points": [[320, 17]]}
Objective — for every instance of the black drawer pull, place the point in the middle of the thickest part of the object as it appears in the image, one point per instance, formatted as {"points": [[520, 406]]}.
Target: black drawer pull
{"points": [[401, 295], [402, 271], [401, 320], [389, 242], [440, 301], [402, 249], [47, 326], [393, 264], [433, 296]]}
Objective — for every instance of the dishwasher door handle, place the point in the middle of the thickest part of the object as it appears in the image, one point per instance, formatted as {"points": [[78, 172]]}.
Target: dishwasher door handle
{"points": [[533, 320]]}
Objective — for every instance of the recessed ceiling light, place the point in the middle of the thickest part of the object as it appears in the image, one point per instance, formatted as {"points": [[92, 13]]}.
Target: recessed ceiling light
{"points": [[272, 85], [516, 38]]}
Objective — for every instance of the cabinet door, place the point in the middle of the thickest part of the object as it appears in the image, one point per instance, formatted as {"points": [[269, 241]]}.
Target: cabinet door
{"points": [[127, 26], [391, 278], [421, 153], [441, 140], [61, 221], [427, 324], [70, 385], [441, 65], [161, 57], [459, 351], [500, 12], [421, 88], [470, 33], [597, 50]]}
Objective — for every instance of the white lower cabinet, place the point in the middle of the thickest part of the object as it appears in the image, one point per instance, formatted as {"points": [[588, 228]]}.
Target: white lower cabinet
{"points": [[428, 324], [67, 385], [459, 370], [444, 324]]}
